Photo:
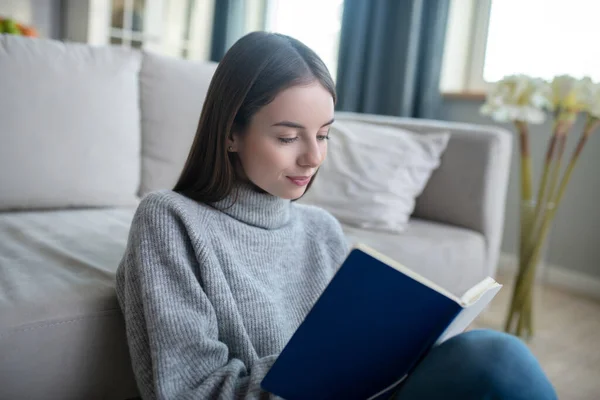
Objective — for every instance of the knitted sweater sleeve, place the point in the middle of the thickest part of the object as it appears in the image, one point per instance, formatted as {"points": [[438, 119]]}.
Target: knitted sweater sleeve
{"points": [[170, 323]]}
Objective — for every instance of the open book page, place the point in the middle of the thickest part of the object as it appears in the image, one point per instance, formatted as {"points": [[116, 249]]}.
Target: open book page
{"points": [[473, 294], [475, 300]]}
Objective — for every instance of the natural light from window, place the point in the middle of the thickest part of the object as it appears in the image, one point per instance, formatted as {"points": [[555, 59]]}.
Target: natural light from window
{"points": [[316, 23], [543, 38]]}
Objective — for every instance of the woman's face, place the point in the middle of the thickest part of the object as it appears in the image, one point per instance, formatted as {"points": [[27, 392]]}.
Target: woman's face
{"points": [[286, 140]]}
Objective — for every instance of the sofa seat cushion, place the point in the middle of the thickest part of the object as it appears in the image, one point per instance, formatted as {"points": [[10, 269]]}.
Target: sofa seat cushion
{"points": [[449, 256], [61, 329]]}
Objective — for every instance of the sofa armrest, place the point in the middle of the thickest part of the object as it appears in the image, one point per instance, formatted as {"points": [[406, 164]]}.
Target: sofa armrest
{"points": [[469, 187]]}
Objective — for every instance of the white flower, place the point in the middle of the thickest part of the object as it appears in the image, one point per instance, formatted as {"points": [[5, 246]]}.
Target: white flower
{"points": [[518, 98], [590, 97], [570, 94], [594, 105]]}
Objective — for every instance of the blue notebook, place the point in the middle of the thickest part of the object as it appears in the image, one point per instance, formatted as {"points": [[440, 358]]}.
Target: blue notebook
{"points": [[368, 330]]}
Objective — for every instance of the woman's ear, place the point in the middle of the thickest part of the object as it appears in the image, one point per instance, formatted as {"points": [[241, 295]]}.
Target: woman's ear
{"points": [[233, 141]]}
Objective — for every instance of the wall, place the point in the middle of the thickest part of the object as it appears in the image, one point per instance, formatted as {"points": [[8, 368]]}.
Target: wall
{"points": [[575, 238], [44, 15]]}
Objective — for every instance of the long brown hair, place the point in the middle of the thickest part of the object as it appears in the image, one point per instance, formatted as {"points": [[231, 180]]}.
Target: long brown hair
{"points": [[253, 71]]}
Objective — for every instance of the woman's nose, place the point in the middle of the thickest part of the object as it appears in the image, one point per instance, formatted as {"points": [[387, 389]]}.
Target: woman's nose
{"points": [[312, 156]]}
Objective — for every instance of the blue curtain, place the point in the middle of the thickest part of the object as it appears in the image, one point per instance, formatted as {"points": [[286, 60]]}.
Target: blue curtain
{"points": [[221, 23], [228, 25], [391, 56]]}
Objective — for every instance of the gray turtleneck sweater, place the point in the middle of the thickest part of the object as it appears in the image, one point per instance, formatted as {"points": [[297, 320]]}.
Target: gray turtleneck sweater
{"points": [[211, 297]]}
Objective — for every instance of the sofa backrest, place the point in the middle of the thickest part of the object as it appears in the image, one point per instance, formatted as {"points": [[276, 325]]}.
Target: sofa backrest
{"points": [[469, 187], [69, 124], [172, 94], [87, 126]]}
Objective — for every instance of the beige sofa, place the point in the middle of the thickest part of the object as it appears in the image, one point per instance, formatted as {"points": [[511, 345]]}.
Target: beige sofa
{"points": [[85, 132]]}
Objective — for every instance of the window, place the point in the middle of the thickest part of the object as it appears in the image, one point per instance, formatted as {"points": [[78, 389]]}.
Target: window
{"points": [[316, 23], [178, 28], [489, 39], [127, 23]]}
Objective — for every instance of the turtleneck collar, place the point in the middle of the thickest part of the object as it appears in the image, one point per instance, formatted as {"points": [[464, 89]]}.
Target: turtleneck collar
{"points": [[248, 205]]}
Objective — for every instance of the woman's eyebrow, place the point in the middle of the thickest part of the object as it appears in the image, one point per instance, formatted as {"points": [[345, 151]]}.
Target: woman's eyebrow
{"points": [[296, 125]]}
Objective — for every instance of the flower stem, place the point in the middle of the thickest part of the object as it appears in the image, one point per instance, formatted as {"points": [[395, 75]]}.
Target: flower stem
{"points": [[524, 291], [523, 297], [590, 126], [533, 240], [526, 194], [556, 148], [531, 219], [525, 160], [548, 163]]}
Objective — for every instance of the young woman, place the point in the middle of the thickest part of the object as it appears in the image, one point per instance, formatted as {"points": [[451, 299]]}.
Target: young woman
{"points": [[220, 271]]}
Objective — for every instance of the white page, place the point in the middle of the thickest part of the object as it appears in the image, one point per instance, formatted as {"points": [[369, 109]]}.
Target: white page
{"points": [[469, 313]]}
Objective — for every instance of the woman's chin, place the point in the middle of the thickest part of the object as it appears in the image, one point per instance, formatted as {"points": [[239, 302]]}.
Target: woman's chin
{"points": [[285, 190], [292, 193]]}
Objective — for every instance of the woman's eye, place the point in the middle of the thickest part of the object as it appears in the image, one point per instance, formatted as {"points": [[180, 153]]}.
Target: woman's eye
{"points": [[323, 137], [288, 140]]}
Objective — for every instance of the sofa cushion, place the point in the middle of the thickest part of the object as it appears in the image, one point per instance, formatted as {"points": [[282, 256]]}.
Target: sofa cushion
{"points": [[173, 92], [374, 173], [62, 335], [452, 257], [69, 130]]}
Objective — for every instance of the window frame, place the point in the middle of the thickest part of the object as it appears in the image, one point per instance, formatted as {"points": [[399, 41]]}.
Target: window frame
{"points": [[465, 48]]}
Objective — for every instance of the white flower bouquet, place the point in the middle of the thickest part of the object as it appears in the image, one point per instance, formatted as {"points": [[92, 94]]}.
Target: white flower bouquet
{"points": [[525, 100]]}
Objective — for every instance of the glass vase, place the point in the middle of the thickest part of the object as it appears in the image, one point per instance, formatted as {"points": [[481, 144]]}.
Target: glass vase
{"points": [[535, 227]]}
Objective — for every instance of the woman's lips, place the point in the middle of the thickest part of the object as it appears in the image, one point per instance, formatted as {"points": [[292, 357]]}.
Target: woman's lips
{"points": [[299, 180]]}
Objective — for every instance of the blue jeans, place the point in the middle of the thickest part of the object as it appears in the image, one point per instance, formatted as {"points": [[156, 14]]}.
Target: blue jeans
{"points": [[478, 364]]}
